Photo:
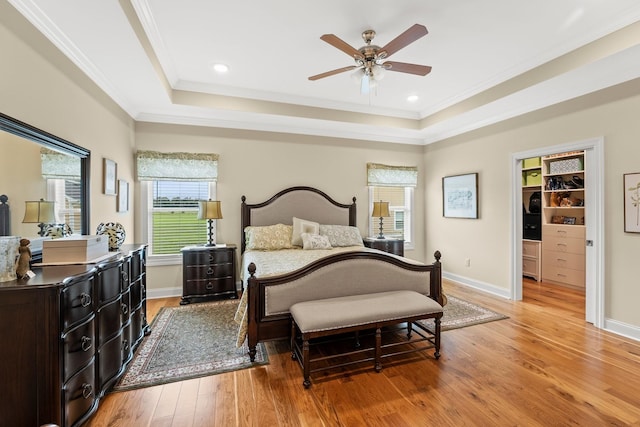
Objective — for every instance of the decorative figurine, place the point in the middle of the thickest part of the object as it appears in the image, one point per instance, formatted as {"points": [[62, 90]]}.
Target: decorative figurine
{"points": [[24, 258]]}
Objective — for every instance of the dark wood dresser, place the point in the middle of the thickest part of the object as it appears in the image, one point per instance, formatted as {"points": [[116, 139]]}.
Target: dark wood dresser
{"points": [[208, 271], [391, 245], [68, 334]]}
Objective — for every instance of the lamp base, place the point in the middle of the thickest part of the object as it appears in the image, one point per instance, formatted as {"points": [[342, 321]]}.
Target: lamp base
{"points": [[380, 236]]}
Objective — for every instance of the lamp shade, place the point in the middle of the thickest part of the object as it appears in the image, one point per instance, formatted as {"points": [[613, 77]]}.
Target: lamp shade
{"points": [[209, 209], [39, 211], [380, 209]]}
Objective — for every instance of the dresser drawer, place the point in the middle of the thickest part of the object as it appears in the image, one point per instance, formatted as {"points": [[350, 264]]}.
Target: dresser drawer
{"points": [[198, 272], [530, 267], [206, 257], [109, 320], [553, 230], [563, 244], [79, 395], [563, 260], [530, 248], [78, 346], [109, 361], [109, 284], [564, 275], [77, 302]]}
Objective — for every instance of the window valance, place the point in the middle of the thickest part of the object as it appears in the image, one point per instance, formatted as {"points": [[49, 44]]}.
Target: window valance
{"points": [[156, 166], [56, 165], [391, 176]]}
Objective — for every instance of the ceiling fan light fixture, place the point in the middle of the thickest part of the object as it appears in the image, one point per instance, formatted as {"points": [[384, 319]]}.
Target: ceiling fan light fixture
{"points": [[219, 68]]}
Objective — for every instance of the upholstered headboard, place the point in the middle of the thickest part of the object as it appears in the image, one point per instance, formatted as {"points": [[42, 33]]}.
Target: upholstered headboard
{"points": [[302, 202]]}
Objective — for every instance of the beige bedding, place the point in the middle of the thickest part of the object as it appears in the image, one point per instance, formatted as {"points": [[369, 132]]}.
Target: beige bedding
{"points": [[271, 263]]}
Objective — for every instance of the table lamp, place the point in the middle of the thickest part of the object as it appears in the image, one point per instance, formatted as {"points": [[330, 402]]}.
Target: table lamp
{"points": [[210, 210], [39, 212], [380, 210]]}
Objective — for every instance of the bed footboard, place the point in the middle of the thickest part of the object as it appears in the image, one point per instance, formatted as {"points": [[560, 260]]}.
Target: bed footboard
{"points": [[343, 274]]}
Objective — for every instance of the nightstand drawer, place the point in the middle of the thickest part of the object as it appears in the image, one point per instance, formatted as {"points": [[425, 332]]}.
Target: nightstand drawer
{"points": [[207, 257], [207, 287], [195, 272]]}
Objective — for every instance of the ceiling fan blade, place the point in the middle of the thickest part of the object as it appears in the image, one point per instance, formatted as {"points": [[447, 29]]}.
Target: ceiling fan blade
{"points": [[403, 67], [409, 36], [332, 72], [336, 42]]}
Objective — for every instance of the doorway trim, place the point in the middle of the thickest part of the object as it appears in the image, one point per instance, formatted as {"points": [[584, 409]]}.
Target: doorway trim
{"points": [[594, 262]]}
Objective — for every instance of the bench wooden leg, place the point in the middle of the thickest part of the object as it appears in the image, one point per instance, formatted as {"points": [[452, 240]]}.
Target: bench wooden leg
{"points": [[292, 340], [305, 362], [409, 330], [378, 350]]}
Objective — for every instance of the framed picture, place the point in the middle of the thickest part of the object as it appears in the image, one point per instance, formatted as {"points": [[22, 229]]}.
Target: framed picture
{"points": [[632, 202], [123, 195], [109, 169], [460, 196]]}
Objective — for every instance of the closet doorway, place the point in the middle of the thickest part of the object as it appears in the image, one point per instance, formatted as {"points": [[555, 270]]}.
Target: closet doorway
{"points": [[594, 225]]}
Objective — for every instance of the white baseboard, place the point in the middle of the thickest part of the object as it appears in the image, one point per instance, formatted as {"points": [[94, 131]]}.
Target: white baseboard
{"points": [[476, 284], [610, 325], [164, 293], [624, 329]]}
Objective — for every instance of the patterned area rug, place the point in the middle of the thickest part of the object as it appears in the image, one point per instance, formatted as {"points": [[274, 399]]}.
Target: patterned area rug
{"points": [[459, 313], [189, 341]]}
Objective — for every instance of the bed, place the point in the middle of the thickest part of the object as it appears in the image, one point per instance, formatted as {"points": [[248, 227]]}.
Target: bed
{"points": [[276, 274]]}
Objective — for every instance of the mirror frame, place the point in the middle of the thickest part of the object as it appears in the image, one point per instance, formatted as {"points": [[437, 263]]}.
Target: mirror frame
{"points": [[48, 140]]}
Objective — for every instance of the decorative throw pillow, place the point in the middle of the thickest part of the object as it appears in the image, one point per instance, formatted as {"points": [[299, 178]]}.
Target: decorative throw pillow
{"points": [[269, 238], [302, 226], [342, 235], [314, 241]]}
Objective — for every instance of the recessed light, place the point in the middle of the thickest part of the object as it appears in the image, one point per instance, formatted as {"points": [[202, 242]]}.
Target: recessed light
{"points": [[220, 68], [412, 98]]}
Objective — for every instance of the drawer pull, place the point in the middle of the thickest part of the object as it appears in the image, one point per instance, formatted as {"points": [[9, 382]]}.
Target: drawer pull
{"points": [[125, 276], [209, 286], [125, 345], [562, 231], [85, 299], [561, 244], [561, 275], [561, 260], [124, 308], [210, 257], [210, 271], [87, 391], [87, 343]]}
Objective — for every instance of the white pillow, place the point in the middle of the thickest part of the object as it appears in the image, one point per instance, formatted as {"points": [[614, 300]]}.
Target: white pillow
{"points": [[342, 235], [302, 226], [314, 241]]}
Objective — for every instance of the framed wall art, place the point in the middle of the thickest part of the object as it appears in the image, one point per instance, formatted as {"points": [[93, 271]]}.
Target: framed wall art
{"points": [[632, 202], [460, 196], [123, 195], [109, 169]]}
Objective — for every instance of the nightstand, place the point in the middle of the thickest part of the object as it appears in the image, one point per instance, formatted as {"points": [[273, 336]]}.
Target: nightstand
{"points": [[208, 271], [388, 244]]}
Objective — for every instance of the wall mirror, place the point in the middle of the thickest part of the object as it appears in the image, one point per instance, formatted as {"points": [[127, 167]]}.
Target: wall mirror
{"points": [[25, 148]]}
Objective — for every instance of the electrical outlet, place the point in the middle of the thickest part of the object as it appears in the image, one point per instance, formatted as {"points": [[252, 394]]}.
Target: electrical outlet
{"points": [[467, 262]]}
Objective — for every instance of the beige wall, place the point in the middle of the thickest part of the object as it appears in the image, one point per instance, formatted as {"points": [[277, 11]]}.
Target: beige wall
{"points": [[40, 86], [258, 165], [486, 241]]}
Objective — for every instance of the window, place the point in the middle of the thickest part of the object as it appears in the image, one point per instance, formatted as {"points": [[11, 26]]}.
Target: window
{"points": [[66, 193], [393, 184], [172, 212], [399, 224], [172, 184]]}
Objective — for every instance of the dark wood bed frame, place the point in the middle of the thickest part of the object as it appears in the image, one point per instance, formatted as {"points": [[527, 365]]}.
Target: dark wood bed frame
{"points": [[313, 205]]}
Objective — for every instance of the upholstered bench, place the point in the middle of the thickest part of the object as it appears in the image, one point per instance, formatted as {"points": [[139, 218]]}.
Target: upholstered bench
{"points": [[332, 316]]}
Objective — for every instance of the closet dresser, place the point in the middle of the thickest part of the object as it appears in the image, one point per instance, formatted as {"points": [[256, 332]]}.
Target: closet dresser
{"points": [[67, 336]]}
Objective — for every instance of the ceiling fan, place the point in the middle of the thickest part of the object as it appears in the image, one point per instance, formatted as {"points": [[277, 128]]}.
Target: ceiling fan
{"points": [[371, 59]]}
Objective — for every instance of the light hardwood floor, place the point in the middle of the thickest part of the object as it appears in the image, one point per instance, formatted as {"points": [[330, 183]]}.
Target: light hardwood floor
{"points": [[544, 366]]}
